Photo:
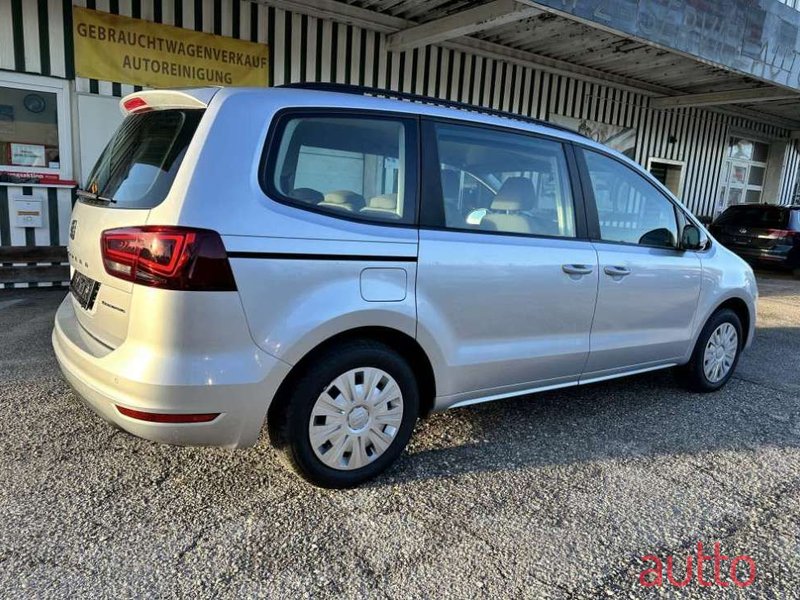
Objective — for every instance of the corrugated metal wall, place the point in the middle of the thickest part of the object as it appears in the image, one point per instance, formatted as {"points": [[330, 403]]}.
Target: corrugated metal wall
{"points": [[304, 48], [790, 186]]}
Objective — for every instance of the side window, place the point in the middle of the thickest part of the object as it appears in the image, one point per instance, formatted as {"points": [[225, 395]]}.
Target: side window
{"points": [[630, 209], [352, 166], [504, 182]]}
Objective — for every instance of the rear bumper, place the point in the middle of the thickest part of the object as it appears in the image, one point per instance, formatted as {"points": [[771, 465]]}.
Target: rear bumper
{"points": [[108, 379], [767, 257]]}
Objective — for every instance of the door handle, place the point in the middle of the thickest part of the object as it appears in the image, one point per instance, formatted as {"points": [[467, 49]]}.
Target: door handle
{"points": [[617, 271], [577, 269]]}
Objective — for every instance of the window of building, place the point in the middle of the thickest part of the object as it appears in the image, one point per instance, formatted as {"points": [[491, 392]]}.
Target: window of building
{"points": [[743, 173], [348, 166], [29, 129], [630, 209], [669, 173], [35, 144], [504, 182]]}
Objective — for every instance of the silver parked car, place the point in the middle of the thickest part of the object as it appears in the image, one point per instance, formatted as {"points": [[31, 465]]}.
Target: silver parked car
{"points": [[336, 265]]}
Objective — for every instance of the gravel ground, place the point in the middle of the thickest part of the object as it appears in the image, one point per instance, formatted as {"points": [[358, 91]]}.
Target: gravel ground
{"points": [[551, 496]]}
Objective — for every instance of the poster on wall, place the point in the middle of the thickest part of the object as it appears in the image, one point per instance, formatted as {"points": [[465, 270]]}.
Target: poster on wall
{"points": [[121, 49], [622, 139], [27, 155]]}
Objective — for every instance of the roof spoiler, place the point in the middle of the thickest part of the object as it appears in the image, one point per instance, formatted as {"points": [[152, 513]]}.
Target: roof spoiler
{"points": [[164, 99]]}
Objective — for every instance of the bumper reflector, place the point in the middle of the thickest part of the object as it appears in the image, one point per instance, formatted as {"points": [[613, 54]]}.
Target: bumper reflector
{"points": [[167, 417]]}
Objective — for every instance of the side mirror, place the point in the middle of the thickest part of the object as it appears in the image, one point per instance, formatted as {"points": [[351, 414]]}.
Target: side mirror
{"points": [[692, 238]]}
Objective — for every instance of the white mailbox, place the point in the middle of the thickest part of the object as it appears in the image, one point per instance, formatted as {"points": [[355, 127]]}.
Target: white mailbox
{"points": [[28, 213]]}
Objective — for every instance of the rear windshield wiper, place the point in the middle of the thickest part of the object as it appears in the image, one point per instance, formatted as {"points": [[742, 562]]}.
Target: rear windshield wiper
{"points": [[87, 195]]}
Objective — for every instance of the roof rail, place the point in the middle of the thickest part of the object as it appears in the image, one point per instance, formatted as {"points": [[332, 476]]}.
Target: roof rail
{"points": [[362, 90]]}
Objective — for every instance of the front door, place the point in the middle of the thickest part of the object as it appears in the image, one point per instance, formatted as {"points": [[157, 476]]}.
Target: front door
{"points": [[506, 287], [648, 288]]}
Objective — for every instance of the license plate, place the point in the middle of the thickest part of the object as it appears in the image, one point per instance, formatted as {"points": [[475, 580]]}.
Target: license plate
{"points": [[742, 241], [84, 289]]}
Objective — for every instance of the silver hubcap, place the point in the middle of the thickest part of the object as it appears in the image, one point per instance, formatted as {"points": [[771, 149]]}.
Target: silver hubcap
{"points": [[720, 352], [356, 418]]}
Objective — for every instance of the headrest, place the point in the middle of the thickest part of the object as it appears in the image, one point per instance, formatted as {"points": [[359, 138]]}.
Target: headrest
{"points": [[384, 202], [344, 197], [516, 193], [306, 194]]}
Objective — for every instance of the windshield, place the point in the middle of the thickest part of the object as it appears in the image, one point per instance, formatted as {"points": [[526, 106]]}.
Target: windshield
{"points": [[768, 217], [140, 162]]}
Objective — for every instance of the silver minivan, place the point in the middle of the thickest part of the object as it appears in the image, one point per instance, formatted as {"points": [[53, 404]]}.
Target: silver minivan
{"points": [[336, 265]]}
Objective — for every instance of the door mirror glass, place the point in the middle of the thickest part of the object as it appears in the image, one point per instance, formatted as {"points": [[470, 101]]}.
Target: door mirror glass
{"points": [[693, 238]]}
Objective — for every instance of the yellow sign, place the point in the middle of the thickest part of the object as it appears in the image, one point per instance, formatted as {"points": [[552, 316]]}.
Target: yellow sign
{"points": [[124, 50]]}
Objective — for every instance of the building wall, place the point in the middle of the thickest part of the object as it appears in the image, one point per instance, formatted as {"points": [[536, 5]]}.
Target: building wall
{"points": [[304, 48], [790, 185]]}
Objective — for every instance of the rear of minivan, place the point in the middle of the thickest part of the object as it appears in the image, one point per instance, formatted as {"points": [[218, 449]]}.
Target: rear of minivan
{"points": [[153, 334]]}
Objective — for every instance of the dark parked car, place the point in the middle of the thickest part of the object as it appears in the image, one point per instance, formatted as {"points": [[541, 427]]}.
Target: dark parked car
{"points": [[762, 234]]}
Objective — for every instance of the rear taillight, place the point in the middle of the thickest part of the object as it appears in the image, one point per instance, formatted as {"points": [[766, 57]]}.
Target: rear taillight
{"points": [[173, 258], [787, 235]]}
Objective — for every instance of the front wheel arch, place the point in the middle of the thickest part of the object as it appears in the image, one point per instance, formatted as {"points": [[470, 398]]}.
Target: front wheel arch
{"points": [[738, 306], [693, 374]]}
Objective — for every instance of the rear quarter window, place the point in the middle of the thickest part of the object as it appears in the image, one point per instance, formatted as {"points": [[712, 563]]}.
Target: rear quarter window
{"points": [[139, 164], [350, 166]]}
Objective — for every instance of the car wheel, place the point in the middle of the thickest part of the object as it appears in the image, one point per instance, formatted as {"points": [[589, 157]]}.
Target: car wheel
{"points": [[716, 353], [350, 414], [796, 273]]}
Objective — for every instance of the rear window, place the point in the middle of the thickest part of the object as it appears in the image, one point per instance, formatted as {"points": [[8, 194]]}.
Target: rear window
{"points": [[140, 162], [768, 217], [357, 167]]}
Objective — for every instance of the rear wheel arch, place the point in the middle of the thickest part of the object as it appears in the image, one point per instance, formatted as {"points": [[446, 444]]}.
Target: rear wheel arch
{"points": [[405, 345]]}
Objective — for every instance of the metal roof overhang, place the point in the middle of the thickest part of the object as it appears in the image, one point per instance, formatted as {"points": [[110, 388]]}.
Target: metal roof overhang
{"points": [[736, 56]]}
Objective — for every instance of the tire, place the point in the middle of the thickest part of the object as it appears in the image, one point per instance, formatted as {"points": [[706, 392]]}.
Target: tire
{"points": [[796, 272], [362, 426], [694, 374]]}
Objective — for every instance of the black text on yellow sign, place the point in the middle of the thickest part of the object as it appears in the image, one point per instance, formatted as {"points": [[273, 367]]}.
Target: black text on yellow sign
{"points": [[115, 48]]}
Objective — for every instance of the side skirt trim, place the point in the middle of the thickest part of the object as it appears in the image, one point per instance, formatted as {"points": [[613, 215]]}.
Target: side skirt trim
{"points": [[557, 386]]}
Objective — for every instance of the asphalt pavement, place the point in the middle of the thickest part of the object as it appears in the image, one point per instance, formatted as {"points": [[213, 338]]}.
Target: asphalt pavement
{"points": [[557, 495]]}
